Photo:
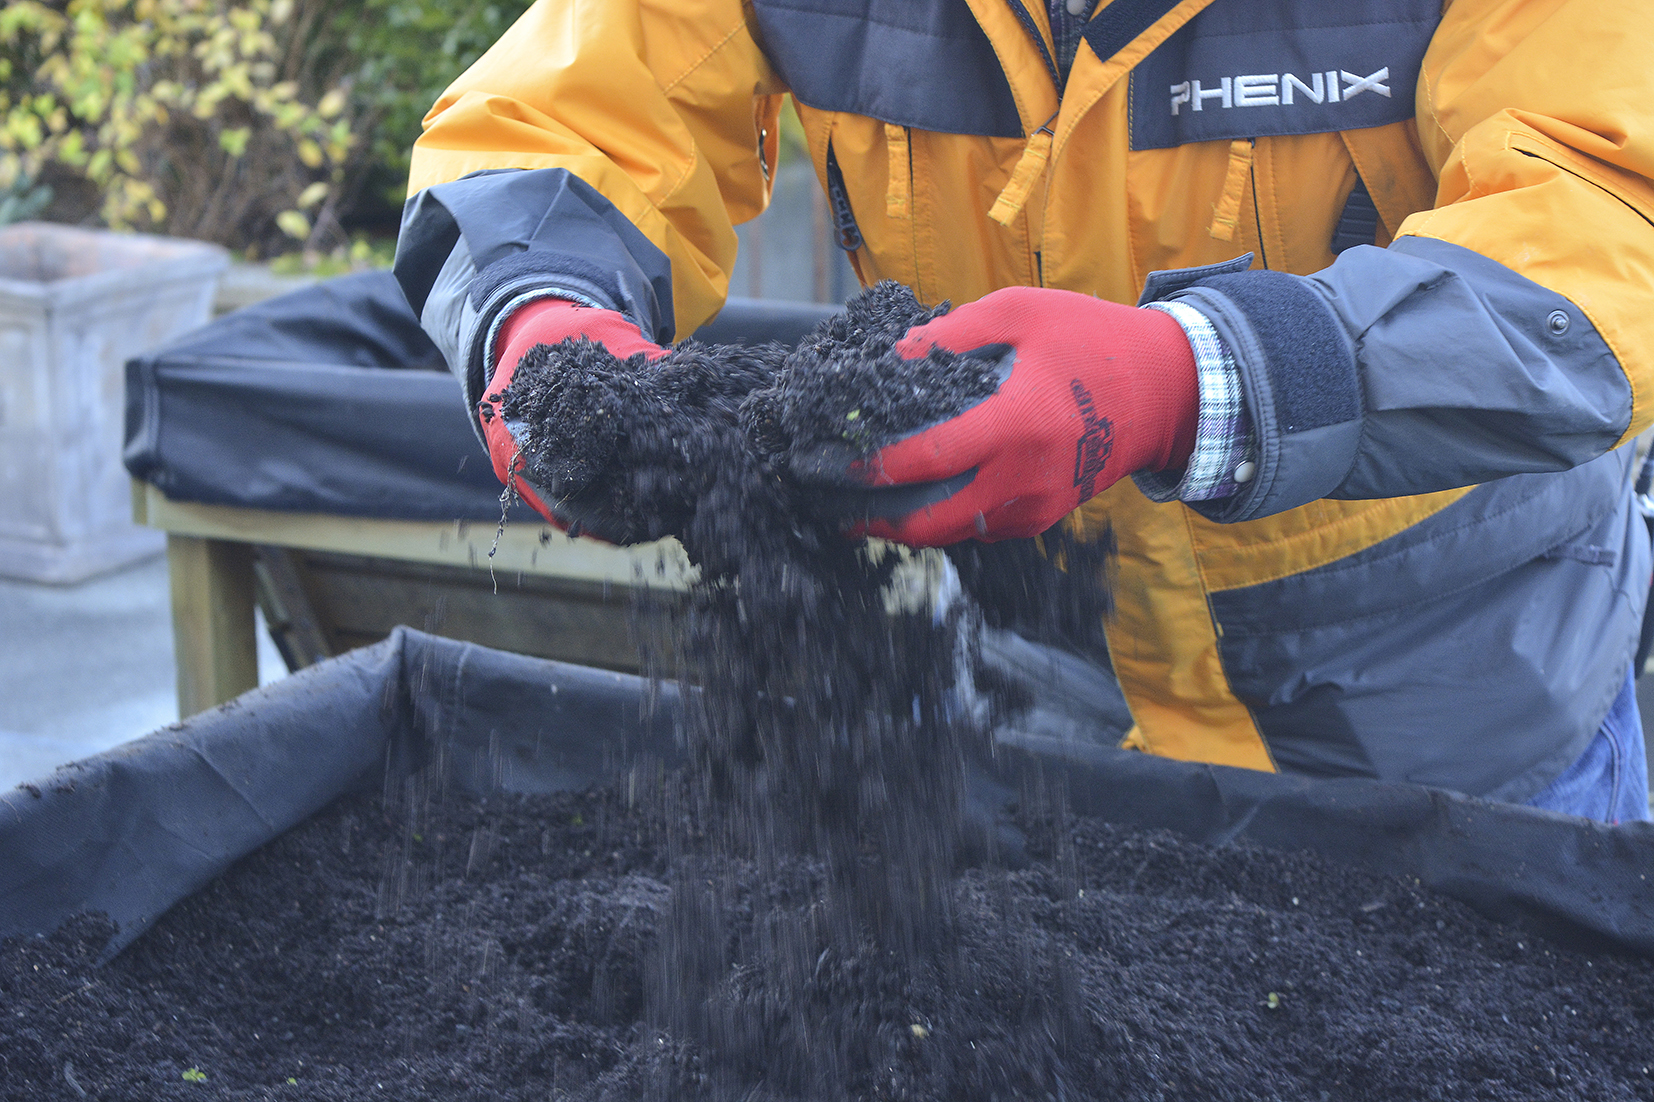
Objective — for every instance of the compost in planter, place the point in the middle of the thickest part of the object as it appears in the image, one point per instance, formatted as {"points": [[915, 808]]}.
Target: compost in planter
{"points": [[505, 950]]}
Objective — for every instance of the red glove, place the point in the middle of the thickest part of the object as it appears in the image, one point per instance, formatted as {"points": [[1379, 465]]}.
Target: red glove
{"points": [[1096, 391], [548, 321]]}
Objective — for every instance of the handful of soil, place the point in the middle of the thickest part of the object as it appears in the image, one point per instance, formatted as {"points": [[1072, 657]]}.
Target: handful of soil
{"points": [[706, 433], [845, 391], [631, 446]]}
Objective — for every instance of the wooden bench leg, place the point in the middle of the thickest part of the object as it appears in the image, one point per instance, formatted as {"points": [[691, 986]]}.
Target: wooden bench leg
{"points": [[212, 620]]}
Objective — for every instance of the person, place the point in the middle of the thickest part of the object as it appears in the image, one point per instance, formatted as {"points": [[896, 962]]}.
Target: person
{"points": [[1336, 315]]}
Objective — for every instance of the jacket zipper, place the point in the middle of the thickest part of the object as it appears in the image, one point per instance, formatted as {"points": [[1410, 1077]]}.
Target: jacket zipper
{"points": [[1257, 213], [844, 219], [1026, 18]]}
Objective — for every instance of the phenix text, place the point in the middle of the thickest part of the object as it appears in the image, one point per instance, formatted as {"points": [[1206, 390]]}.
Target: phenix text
{"points": [[1277, 89]]}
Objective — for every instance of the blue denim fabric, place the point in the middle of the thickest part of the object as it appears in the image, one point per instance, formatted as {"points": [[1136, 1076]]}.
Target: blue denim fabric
{"points": [[1609, 781]]}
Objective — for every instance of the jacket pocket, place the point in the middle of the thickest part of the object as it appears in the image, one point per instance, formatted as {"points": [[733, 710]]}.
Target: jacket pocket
{"points": [[846, 232], [1634, 192]]}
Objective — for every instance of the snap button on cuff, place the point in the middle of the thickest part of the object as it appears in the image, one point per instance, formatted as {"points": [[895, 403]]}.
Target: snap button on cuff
{"points": [[1557, 323], [1245, 471]]}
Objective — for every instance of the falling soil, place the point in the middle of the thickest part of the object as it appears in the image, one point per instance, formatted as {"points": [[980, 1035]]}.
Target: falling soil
{"points": [[823, 726], [511, 949], [1051, 589]]}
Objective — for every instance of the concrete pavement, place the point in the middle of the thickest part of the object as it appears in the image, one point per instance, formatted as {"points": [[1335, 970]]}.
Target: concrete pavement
{"points": [[86, 667]]}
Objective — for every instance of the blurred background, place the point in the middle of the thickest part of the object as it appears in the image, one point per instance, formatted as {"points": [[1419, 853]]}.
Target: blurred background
{"points": [[278, 131]]}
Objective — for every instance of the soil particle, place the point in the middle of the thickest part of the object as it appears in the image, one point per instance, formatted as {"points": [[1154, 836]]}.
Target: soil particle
{"points": [[1118, 965], [1053, 588], [823, 727], [821, 722]]}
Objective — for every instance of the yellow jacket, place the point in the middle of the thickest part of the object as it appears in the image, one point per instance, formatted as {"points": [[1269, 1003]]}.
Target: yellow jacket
{"points": [[1365, 606]]}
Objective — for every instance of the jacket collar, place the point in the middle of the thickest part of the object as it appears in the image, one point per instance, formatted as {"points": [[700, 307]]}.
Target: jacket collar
{"points": [[1036, 95]]}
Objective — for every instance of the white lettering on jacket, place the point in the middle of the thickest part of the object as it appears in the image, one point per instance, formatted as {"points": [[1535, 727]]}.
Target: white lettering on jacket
{"points": [[1276, 89]]}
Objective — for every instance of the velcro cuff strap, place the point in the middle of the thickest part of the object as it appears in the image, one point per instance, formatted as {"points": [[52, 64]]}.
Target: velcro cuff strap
{"points": [[1310, 366]]}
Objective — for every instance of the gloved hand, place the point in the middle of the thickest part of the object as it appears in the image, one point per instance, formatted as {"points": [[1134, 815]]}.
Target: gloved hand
{"points": [[1091, 391], [550, 321]]}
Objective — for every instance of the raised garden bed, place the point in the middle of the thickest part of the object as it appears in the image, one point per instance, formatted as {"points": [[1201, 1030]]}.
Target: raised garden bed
{"points": [[504, 950], [815, 875], [487, 930]]}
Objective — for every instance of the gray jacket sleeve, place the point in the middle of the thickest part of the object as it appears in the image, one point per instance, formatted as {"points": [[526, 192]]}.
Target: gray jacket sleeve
{"points": [[472, 249], [1405, 370]]}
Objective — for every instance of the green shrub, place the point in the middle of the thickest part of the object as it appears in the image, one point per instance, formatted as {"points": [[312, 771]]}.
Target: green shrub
{"points": [[188, 115], [259, 124], [264, 125], [22, 199], [406, 52]]}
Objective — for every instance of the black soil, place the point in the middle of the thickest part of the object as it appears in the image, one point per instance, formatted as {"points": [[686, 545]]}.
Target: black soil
{"points": [[845, 391], [641, 450], [513, 950], [631, 447], [1052, 589]]}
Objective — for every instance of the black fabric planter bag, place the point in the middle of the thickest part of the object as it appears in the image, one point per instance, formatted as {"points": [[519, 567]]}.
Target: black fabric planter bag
{"points": [[132, 831], [331, 399]]}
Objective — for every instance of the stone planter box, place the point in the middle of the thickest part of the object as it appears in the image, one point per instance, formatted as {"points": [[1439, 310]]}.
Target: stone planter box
{"points": [[75, 305]]}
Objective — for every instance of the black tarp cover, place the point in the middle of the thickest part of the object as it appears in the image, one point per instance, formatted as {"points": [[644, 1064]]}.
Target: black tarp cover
{"points": [[131, 831], [331, 399]]}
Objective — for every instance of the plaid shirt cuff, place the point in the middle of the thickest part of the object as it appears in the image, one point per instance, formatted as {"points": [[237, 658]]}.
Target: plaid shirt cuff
{"points": [[1226, 451]]}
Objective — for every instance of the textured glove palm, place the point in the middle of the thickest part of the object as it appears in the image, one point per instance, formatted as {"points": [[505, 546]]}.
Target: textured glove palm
{"points": [[1094, 391], [549, 321]]}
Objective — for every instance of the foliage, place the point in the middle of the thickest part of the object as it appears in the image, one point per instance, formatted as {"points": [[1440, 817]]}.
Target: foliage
{"points": [[247, 122], [22, 199], [264, 125], [184, 113], [362, 253], [406, 53]]}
